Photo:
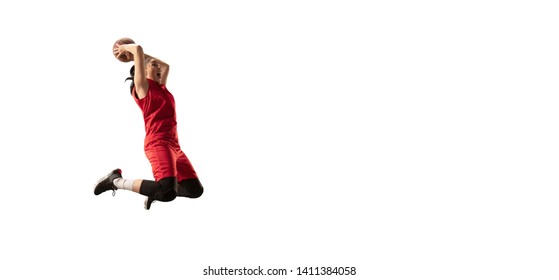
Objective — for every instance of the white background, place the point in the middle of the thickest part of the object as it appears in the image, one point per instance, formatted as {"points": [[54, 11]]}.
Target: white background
{"points": [[410, 139]]}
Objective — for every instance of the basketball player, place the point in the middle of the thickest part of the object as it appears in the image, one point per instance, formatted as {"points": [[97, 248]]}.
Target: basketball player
{"points": [[172, 170]]}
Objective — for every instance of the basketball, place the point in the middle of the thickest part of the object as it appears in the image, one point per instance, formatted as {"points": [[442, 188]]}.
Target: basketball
{"points": [[125, 56]]}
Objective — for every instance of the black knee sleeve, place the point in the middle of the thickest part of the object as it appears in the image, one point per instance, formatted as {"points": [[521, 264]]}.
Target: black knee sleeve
{"points": [[167, 189], [190, 188], [148, 188]]}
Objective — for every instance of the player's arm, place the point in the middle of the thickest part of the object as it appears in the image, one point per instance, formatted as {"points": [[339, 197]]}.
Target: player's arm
{"points": [[140, 80], [164, 68]]}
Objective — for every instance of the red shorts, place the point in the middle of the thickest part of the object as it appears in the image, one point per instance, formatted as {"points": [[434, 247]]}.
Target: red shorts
{"points": [[168, 160]]}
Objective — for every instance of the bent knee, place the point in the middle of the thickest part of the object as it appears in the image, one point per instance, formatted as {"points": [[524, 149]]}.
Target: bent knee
{"points": [[196, 192], [166, 189], [190, 188]]}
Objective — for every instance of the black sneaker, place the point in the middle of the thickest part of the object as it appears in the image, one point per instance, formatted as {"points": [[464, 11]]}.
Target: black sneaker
{"points": [[106, 183], [148, 202]]}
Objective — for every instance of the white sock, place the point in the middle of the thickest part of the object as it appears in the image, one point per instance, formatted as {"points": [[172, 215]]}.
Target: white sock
{"points": [[123, 183]]}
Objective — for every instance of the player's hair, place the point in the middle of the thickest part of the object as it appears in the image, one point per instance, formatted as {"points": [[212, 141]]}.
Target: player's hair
{"points": [[131, 78]]}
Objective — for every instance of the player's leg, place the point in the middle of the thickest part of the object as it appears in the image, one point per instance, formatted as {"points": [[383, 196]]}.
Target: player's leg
{"points": [[189, 184], [169, 184], [162, 159], [114, 181]]}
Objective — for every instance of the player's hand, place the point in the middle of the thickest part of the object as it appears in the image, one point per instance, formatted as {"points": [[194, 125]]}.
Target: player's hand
{"points": [[121, 49]]}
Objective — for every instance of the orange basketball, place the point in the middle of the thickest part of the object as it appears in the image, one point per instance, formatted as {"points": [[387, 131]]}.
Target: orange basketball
{"points": [[124, 57]]}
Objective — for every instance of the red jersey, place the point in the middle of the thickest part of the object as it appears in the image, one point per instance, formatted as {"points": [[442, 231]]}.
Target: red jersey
{"points": [[158, 108]]}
